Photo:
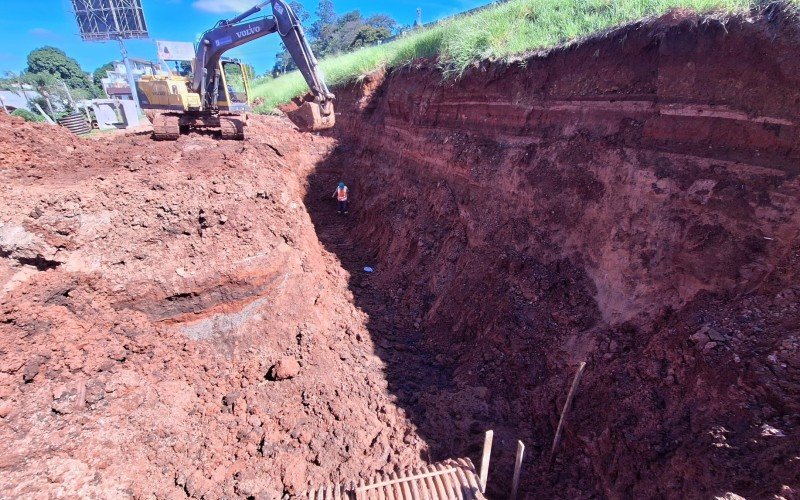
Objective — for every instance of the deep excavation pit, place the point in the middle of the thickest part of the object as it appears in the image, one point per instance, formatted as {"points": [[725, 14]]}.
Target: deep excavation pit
{"points": [[630, 201]]}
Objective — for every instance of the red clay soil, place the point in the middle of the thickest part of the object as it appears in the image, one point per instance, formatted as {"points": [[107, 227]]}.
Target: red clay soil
{"points": [[630, 201], [146, 291], [194, 319]]}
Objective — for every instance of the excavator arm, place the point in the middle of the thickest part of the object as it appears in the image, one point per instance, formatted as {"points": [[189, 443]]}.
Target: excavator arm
{"points": [[232, 33]]}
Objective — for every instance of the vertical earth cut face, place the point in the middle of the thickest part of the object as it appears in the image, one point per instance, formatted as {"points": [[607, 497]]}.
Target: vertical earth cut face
{"points": [[631, 200]]}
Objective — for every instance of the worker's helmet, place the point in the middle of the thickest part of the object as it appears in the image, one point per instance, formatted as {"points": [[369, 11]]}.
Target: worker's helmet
{"points": [[341, 184]]}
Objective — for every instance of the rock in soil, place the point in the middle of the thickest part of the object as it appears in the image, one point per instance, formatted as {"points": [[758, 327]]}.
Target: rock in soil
{"points": [[285, 369]]}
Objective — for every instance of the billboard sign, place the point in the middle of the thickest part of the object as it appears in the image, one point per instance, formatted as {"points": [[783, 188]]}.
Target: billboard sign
{"points": [[100, 20], [175, 51]]}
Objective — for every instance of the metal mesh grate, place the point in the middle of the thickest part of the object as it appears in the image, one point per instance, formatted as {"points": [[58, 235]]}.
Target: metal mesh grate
{"points": [[451, 480]]}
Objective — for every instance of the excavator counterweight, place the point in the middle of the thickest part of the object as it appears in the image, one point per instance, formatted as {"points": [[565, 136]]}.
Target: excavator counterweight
{"points": [[215, 92]]}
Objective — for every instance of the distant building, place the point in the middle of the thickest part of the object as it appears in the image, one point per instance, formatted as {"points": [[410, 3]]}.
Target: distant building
{"points": [[115, 83], [15, 99]]}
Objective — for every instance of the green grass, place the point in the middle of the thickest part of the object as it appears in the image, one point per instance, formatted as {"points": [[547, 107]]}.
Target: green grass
{"points": [[509, 29]]}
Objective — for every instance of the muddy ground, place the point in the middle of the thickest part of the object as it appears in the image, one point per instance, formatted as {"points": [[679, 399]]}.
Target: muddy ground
{"points": [[194, 318]]}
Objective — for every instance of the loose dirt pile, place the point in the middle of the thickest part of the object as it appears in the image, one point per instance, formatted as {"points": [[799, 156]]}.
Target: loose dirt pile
{"points": [[169, 323], [631, 201]]}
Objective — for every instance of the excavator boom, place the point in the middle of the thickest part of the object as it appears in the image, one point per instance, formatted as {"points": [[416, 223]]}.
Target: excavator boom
{"points": [[228, 34]]}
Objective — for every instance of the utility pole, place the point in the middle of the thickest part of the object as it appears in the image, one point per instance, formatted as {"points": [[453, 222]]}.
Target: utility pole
{"points": [[69, 94], [129, 70], [128, 67]]}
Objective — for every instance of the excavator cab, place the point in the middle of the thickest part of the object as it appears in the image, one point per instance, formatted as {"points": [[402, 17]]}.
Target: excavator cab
{"points": [[233, 86]]}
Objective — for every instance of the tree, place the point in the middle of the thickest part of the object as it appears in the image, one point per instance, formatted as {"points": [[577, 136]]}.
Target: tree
{"points": [[333, 34], [283, 62], [8, 82], [299, 11], [326, 16], [100, 73], [382, 21], [13, 81], [323, 28], [339, 35], [369, 35], [49, 86], [55, 62]]}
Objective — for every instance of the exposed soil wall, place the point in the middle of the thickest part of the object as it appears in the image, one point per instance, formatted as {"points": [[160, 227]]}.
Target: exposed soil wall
{"points": [[631, 201]]}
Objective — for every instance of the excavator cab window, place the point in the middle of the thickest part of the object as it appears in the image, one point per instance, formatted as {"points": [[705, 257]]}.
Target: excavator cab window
{"points": [[177, 68], [235, 81]]}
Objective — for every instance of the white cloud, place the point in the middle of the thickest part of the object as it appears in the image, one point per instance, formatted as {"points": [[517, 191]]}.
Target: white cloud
{"points": [[42, 33], [223, 6]]}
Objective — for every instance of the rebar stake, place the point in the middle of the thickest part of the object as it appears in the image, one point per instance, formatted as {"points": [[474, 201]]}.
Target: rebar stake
{"points": [[564, 411], [487, 454], [517, 469]]}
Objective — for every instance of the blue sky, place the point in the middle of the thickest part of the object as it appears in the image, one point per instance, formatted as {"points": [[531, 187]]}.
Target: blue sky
{"points": [[29, 24]]}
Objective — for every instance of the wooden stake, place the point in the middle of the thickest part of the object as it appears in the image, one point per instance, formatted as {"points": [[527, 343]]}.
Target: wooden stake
{"points": [[564, 411], [517, 469], [45, 115], [487, 454]]}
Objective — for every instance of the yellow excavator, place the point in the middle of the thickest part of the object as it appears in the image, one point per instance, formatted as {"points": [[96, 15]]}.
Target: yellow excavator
{"points": [[214, 92]]}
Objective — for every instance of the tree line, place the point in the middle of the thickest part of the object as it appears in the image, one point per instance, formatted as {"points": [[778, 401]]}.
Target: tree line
{"points": [[56, 78], [331, 33]]}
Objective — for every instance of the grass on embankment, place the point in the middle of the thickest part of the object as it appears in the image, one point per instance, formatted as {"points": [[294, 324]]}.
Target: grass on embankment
{"points": [[511, 28]]}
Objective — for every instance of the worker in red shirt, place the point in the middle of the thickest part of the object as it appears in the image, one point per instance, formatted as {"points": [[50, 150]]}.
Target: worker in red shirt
{"points": [[341, 195]]}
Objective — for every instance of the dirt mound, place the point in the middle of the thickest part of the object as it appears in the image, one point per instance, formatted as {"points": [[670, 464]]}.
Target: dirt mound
{"points": [[631, 201], [146, 290], [38, 146]]}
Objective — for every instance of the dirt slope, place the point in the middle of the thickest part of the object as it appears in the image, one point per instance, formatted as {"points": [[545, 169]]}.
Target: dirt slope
{"points": [[631, 201], [146, 289]]}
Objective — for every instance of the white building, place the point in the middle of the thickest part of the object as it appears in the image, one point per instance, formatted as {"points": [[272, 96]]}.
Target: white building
{"points": [[115, 83], [15, 99]]}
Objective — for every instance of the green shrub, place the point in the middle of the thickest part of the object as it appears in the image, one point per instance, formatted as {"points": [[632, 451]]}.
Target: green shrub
{"points": [[27, 115]]}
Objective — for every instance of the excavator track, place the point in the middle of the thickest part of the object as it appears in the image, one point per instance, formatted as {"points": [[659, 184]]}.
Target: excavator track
{"points": [[166, 127], [232, 127]]}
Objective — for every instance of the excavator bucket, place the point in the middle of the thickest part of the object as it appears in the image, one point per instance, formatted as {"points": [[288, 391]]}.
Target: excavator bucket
{"points": [[311, 117]]}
